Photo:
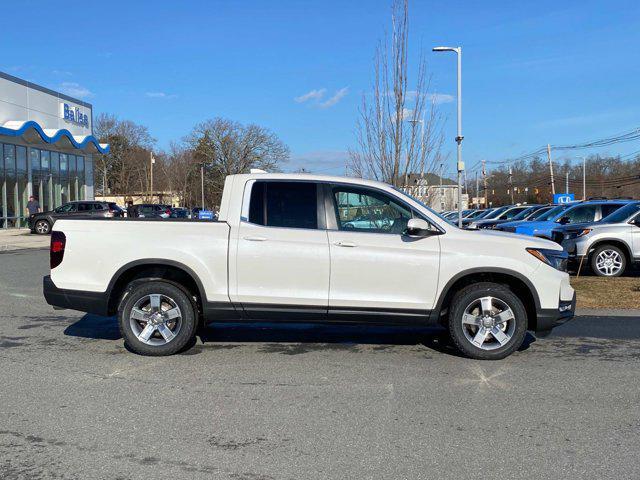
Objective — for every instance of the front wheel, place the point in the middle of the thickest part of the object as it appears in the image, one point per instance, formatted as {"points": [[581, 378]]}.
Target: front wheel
{"points": [[608, 261], [487, 321], [156, 318]]}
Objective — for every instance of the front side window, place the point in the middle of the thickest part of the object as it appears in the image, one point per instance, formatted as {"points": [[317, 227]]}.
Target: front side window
{"points": [[584, 213], [364, 210], [84, 207], [284, 204], [610, 208]]}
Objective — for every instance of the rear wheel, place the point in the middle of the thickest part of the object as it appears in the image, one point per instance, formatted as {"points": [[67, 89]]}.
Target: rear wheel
{"points": [[487, 321], [156, 318], [42, 227], [608, 261]]}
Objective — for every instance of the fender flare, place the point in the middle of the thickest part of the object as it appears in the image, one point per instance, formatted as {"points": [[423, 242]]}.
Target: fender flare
{"points": [[471, 271]]}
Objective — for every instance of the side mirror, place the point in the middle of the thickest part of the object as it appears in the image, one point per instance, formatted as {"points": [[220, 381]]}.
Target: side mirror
{"points": [[564, 220], [417, 227]]}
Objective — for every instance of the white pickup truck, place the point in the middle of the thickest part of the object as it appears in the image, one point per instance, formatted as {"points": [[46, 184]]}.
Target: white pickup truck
{"points": [[309, 248]]}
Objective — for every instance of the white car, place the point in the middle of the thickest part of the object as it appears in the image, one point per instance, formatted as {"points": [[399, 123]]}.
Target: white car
{"points": [[281, 251]]}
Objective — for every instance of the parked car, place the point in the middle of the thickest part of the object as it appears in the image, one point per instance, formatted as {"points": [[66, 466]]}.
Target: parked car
{"points": [[519, 212], [153, 210], [608, 246], [281, 252], [41, 223], [180, 212], [578, 212]]}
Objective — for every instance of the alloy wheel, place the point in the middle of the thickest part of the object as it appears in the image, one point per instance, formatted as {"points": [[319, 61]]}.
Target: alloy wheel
{"points": [[42, 227], [155, 319], [609, 262], [488, 323]]}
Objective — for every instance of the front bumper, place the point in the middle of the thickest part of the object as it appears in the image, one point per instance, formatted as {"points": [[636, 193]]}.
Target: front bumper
{"points": [[90, 302], [548, 319]]}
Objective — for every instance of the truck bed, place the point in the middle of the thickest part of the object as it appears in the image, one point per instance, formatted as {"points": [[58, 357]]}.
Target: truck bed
{"points": [[96, 249]]}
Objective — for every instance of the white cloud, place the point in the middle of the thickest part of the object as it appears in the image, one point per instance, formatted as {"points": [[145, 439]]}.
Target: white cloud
{"points": [[312, 95], [339, 95], [75, 90], [159, 95], [62, 73], [439, 98]]}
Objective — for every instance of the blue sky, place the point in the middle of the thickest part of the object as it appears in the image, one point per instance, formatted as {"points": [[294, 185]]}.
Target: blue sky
{"points": [[534, 72]]}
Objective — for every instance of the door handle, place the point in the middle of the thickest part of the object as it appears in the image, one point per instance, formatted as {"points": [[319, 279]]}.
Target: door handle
{"points": [[345, 244], [254, 239]]}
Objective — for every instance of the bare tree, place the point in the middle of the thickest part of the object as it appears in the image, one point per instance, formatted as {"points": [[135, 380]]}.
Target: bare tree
{"points": [[126, 167], [399, 130], [226, 148]]}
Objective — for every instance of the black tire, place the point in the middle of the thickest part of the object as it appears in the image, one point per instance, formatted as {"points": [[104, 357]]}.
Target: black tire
{"points": [[517, 327], [602, 271], [137, 291], [42, 227]]}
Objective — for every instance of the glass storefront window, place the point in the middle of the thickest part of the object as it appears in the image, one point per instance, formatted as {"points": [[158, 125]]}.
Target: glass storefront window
{"points": [[10, 186], [22, 184], [81, 181], [46, 197], [56, 178]]}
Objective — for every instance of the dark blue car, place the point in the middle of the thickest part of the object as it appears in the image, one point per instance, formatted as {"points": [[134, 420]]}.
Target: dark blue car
{"points": [[579, 212]]}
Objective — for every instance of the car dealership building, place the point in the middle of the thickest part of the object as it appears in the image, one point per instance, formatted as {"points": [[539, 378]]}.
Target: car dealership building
{"points": [[47, 149]]}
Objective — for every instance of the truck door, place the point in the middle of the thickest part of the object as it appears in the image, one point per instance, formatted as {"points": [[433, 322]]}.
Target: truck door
{"points": [[376, 271], [282, 257]]}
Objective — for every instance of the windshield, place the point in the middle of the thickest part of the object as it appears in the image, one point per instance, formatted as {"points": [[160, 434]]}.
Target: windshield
{"points": [[551, 214], [622, 214], [429, 209], [521, 215], [536, 215], [512, 213], [477, 213], [495, 213]]}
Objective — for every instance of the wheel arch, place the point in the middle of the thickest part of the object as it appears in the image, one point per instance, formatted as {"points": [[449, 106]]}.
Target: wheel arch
{"points": [[616, 242], [164, 269], [520, 285]]}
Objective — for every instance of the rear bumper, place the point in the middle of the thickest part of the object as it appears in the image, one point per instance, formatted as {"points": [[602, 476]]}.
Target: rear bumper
{"points": [[551, 318], [90, 302]]}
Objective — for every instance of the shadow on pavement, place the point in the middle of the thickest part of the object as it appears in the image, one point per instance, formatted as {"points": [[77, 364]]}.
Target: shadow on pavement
{"points": [[316, 337]]}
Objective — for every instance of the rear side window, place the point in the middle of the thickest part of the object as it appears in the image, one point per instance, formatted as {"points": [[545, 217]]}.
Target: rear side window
{"points": [[608, 209], [84, 207], [98, 206], [284, 204]]}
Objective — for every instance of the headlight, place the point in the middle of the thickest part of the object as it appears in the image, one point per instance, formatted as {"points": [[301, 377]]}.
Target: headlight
{"points": [[554, 258], [585, 231]]}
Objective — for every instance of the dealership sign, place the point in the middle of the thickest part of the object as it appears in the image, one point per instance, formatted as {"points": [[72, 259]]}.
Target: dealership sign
{"points": [[73, 115], [563, 198]]}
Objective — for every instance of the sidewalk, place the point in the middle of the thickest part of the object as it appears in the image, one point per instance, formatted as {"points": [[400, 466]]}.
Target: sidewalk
{"points": [[20, 239]]}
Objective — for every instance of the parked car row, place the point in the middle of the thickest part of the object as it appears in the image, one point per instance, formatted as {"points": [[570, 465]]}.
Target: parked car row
{"points": [[601, 233], [42, 223]]}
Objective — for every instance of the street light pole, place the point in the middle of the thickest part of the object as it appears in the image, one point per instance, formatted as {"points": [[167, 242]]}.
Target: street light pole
{"points": [[459, 137], [152, 161]]}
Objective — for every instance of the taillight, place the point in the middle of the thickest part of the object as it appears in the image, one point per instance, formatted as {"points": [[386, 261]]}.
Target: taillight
{"points": [[168, 212], [56, 252]]}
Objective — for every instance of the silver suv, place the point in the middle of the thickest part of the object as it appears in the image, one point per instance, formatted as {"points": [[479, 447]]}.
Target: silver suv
{"points": [[609, 245]]}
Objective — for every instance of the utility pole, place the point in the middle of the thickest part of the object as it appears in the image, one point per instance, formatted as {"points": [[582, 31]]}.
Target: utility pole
{"points": [[584, 178], [484, 181], [566, 189], [511, 184], [553, 185], [477, 191], [151, 162]]}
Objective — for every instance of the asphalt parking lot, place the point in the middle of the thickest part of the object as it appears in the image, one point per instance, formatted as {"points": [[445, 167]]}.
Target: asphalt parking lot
{"points": [[302, 402]]}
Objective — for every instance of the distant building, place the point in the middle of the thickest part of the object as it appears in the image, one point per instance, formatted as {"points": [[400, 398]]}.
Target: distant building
{"points": [[428, 190], [46, 149]]}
